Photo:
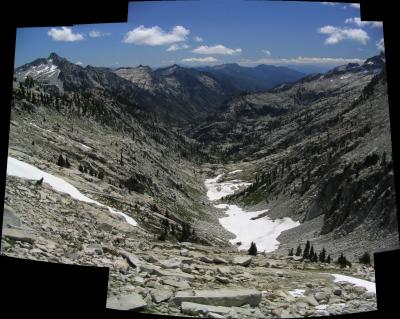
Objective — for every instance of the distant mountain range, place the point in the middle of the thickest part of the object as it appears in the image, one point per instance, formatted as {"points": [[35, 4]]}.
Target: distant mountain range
{"points": [[252, 79], [176, 92]]}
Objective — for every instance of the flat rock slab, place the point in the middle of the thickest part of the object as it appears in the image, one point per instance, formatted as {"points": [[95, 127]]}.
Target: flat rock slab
{"points": [[242, 260], [181, 284], [10, 218], [19, 235], [161, 295], [220, 297], [126, 302], [219, 260], [93, 249], [172, 263], [174, 273], [195, 309]]}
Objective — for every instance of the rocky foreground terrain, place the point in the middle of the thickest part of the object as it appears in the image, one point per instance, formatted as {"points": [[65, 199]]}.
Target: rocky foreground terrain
{"points": [[317, 151], [182, 278]]}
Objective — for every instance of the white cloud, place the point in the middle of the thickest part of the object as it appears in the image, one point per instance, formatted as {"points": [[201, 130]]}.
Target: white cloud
{"points": [[98, 34], [208, 59], [355, 5], [216, 49], [337, 34], [176, 47], [156, 36], [329, 3], [64, 34], [79, 63], [301, 60], [358, 22], [198, 39], [380, 45], [267, 52]]}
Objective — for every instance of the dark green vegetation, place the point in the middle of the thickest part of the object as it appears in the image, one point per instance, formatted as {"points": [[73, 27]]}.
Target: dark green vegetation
{"points": [[253, 249]]}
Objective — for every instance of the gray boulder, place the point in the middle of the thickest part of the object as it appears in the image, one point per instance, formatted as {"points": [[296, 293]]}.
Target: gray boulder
{"points": [[223, 280], [18, 235], [242, 260], [121, 265], [10, 219], [172, 263], [220, 297], [219, 260], [195, 309], [126, 302], [161, 295], [93, 249], [181, 284], [206, 260], [308, 300]]}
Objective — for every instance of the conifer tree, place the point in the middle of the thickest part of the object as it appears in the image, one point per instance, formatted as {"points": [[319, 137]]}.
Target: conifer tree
{"points": [[81, 168], [365, 259], [290, 252], [311, 255], [306, 253], [253, 249], [298, 250], [328, 259], [61, 161], [100, 175], [322, 255]]}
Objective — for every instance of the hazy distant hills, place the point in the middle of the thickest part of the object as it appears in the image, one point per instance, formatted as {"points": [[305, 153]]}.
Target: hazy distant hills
{"points": [[252, 79]]}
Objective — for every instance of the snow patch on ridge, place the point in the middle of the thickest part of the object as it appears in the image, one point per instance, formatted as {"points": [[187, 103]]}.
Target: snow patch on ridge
{"points": [[24, 170], [369, 285]]}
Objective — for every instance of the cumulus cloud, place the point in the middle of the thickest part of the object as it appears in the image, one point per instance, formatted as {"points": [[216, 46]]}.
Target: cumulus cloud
{"points": [[208, 59], [355, 5], [329, 3], [64, 34], [216, 49], [267, 52], [156, 36], [79, 63], [380, 45], [301, 60], [198, 39], [337, 34], [98, 34], [176, 47], [358, 22]]}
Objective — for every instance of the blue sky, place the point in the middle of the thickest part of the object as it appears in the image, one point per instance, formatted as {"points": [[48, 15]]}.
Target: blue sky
{"points": [[211, 32]]}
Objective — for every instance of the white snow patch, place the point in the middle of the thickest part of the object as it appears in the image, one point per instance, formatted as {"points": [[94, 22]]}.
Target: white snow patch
{"points": [[369, 285], [263, 231], [218, 190], [297, 292], [321, 307], [237, 171], [24, 170], [345, 77], [85, 146], [34, 125]]}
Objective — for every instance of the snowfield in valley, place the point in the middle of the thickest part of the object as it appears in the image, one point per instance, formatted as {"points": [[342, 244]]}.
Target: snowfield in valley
{"points": [[263, 231]]}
